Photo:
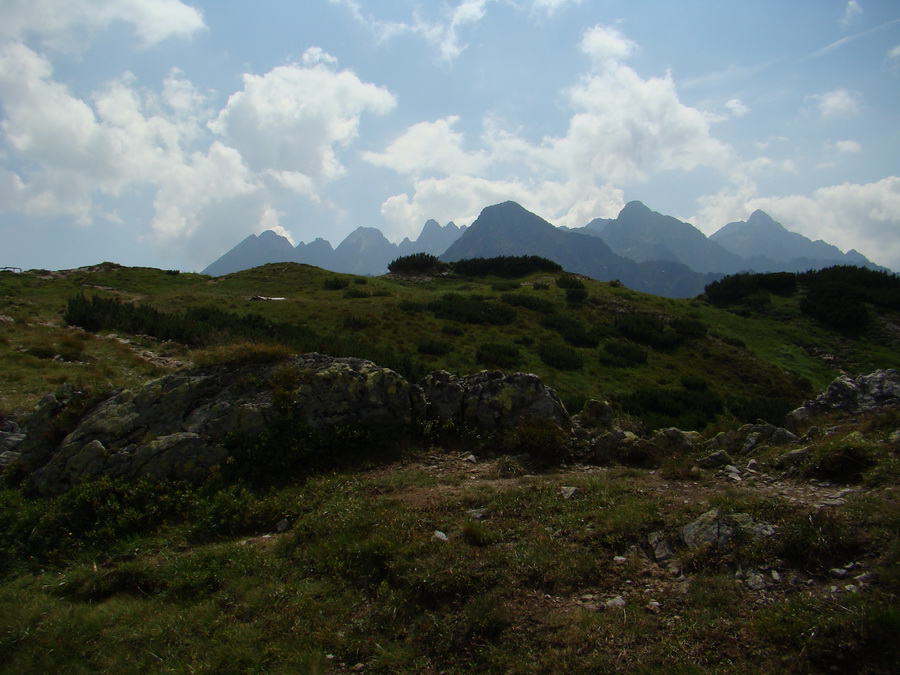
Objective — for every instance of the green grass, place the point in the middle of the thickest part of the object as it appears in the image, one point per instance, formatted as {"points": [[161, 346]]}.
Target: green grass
{"points": [[137, 577], [783, 353]]}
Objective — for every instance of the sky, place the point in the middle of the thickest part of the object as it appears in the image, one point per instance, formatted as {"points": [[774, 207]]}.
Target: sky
{"points": [[163, 132]]}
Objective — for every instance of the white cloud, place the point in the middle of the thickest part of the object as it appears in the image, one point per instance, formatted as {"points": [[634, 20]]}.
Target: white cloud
{"points": [[66, 26], [551, 6], [296, 118], [606, 45], [283, 133], [861, 216], [736, 107], [627, 126], [623, 128], [851, 14], [461, 198], [836, 104], [843, 147], [429, 146]]}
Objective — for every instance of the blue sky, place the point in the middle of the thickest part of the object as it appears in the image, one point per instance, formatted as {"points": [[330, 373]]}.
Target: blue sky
{"points": [[162, 132]]}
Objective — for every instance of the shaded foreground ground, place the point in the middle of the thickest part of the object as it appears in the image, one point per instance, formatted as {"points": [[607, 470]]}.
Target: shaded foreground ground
{"points": [[444, 561]]}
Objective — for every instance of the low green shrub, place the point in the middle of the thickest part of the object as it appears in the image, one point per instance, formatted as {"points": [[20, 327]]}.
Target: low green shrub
{"points": [[435, 347], [622, 354], [535, 304], [569, 282], [472, 309], [561, 356], [335, 283], [495, 355]]}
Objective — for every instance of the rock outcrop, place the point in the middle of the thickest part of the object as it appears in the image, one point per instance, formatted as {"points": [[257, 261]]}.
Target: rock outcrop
{"points": [[490, 399], [183, 426], [179, 426], [853, 395]]}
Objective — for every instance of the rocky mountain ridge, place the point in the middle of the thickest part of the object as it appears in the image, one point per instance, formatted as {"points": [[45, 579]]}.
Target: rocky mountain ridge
{"points": [[646, 250]]}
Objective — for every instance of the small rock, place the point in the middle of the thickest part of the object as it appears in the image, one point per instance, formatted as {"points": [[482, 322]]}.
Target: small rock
{"points": [[715, 460], [620, 560], [439, 536], [660, 547], [756, 581], [591, 607], [569, 492], [851, 588], [470, 458], [776, 577], [616, 603], [838, 573], [752, 465], [653, 607], [283, 525], [478, 514]]}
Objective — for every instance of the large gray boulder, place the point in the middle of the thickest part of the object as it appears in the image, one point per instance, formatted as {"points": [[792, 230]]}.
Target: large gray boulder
{"points": [[185, 425], [854, 395], [491, 400], [179, 426]]}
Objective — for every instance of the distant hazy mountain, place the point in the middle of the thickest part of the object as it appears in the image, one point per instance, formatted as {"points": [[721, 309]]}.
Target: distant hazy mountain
{"points": [[509, 229], [364, 251], [644, 235], [255, 250], [768, 246], [434, 239], [759, 244], [645, 250]]}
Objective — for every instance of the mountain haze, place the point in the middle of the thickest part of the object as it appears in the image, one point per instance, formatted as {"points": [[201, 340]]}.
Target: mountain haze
{"points": [[509, 229], [771, 247], [644, 249], [365, 250]]}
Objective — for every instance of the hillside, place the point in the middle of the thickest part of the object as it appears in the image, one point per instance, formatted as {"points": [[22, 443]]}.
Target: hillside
{"points": [[444, 548]]}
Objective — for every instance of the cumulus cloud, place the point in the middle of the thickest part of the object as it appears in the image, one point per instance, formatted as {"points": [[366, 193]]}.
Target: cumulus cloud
{"points": [[296, 118], [623, 128], [66, 26], [836, 104], [283, 132], [625, 125], [429, 147], [461, 198]]}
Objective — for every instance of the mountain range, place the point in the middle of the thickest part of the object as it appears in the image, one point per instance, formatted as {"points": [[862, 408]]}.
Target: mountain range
{"points": [[645, 250]]}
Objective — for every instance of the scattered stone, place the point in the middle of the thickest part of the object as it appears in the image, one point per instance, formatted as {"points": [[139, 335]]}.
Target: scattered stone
{"points": [[595, 415], [478, 514], [756, 581], [660, 548], [715, 530], [617, 602], [569, 492], [653, 607], [792, 458], [620, 560], [283, 525], [470, 458], [752, 465], [716, 460], [839, 572], [439, 536]]}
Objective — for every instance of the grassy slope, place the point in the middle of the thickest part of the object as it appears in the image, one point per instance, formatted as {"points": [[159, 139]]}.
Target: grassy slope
{"points": [[125, 578], [778, 352]]}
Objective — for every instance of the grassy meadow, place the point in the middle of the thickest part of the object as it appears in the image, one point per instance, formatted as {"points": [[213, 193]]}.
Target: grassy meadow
{"points": [[445, 553]]}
